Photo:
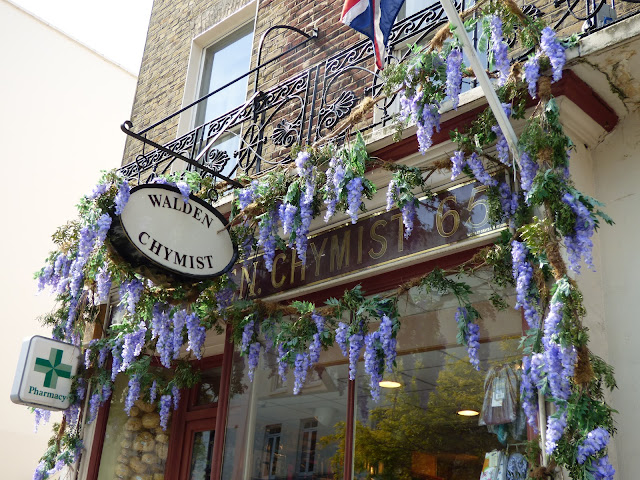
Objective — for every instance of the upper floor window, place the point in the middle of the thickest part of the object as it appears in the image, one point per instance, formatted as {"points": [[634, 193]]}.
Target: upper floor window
{"points": [[223, 62]]}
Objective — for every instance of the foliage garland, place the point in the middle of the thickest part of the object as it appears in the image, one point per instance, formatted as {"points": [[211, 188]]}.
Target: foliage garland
{"points": [[543, 209]]}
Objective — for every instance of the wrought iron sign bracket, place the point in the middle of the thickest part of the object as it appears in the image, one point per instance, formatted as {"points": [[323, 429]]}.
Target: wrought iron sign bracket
{"points": [[126, 128]]}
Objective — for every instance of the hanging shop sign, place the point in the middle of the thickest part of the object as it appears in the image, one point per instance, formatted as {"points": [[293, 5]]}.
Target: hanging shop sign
{"points": [[158, 229], [455, 215], [44, 373]]}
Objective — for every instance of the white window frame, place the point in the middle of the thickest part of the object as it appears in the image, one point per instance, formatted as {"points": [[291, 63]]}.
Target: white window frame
{"points": [[216, 33]]}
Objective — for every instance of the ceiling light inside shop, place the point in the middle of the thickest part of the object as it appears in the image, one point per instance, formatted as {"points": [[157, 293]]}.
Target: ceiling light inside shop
{"points": [[389, 384], [467, 413]]}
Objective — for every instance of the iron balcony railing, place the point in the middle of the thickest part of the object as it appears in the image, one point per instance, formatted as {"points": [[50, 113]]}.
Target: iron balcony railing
{"points": [[307, 106]]}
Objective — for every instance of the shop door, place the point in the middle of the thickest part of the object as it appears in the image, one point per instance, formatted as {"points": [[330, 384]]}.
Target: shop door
{"points": [[193, 434]]}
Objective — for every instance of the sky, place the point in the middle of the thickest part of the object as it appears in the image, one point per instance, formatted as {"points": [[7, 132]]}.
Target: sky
{"points": [[116, 29]]}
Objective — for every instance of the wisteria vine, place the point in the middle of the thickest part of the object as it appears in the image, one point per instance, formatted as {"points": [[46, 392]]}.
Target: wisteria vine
{"points": [[169, 321]]}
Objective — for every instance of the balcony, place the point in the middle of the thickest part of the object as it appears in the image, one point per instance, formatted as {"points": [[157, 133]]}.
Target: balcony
{"points": [[307, 107]]}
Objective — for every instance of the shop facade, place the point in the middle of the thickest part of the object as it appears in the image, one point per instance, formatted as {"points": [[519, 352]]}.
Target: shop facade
{"points": [[308, 74]]}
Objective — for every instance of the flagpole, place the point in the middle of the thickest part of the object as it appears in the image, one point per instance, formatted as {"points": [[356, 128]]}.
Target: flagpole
{"points": [[483, 78]]}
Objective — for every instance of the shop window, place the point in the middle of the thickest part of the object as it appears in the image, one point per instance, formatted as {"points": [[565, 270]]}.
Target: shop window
{"points": [[134, 446], [441, 416], [273, 434]]}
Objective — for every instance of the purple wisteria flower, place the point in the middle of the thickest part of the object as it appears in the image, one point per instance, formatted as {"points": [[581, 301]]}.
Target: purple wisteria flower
{"points": [[94, 404], [102, 224], [116, 358], [81, 389], [532, 74], [555, 430], [133, 344], [393, 191], [427, 125], [454, 76], [502, 147], [59, 465], [306, 216], [196, 334], [248, 334], [122, 197], [458, 162], [40, 472], [105, 392], [408, 215], [471, 335], [247, 195], [595, 441], [508, 200], [316, 343], [133, 393], [528, 395], [165, 411], [99, 189], [253, 358], [224, 297], [103, 279], [282, 362], [267, 238], [477, 167], [287, 212], [333, 187], [552, 49], [153, 391], [130, 292], [356, 343], [175, 392], [354, 198], [499, 50], [523, 274], [373, 364], [579, 245], [72, 415], [341, 338], [528, 171], [160, 329], [388, 342], [41, 416], [185, 190], [601, 469], [300, 368], [179, 321]]}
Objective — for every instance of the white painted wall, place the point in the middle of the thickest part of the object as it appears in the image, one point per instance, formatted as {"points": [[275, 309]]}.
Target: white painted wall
{"points": [[617, 179], [61, 107]]}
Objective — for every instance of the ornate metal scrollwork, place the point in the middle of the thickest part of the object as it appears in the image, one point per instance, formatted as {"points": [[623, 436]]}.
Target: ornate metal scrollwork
{"points": [[330, 115], [216, 159], [286, 133]]}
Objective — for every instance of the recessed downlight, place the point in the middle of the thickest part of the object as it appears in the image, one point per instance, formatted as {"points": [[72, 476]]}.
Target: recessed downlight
{"points": [[389, 384], [467, 413]]}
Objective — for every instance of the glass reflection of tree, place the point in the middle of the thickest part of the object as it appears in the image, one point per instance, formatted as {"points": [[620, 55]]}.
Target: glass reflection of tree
{"points": [[402, 435]]}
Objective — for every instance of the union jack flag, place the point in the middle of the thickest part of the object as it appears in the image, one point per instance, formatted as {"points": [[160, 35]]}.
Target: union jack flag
{"points": [[374, 18]]}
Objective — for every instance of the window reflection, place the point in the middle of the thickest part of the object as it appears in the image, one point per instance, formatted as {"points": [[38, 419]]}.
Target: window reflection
{"points": [[201, 455], [415, 431]]}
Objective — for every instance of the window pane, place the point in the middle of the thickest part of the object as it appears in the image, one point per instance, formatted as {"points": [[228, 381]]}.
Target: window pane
{"points": [[223, 62], [272, 433], [209, 387], [134, 446], [415, 430], [201, 455]]}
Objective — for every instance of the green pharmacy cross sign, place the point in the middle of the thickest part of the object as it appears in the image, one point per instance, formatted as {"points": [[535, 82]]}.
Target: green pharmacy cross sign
{"points": [[44, 373], [53, 368]]}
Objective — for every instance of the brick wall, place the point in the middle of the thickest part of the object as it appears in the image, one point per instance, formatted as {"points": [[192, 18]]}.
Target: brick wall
{"points": [[160, 90], [174, 24]]}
